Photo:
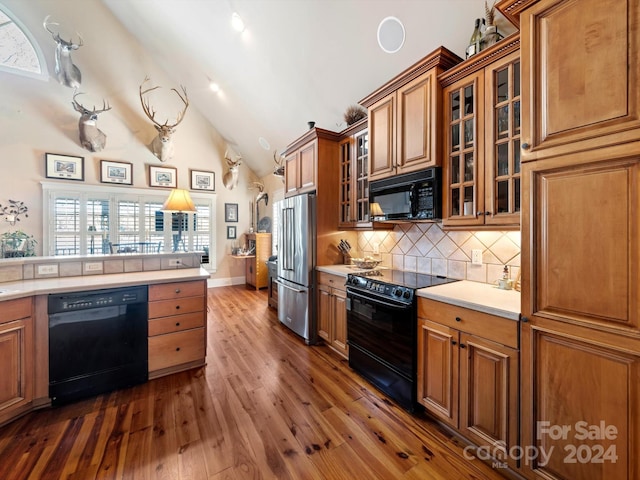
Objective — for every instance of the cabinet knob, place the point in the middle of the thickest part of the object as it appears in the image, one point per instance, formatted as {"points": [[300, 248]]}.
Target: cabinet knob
{"points": [[525, 146], [458, 319], [453, 342], [525, 319], [177, 307], [177, 324], [479, 214], [462, 345], [177, 349], [177, 290]]}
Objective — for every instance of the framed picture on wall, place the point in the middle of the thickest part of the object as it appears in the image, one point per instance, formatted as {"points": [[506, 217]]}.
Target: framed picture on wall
{"points": [[116, 172], [64, 166], [163, 177], [230, 212], [231, 232], [202, 180]]}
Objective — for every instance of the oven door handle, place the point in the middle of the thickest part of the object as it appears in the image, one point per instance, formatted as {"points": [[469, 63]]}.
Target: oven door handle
{"points": [[290, 288], [374, 298]]}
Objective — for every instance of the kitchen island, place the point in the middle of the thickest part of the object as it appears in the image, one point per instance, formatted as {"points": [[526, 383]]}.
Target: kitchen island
{"points": [[177, 324]]}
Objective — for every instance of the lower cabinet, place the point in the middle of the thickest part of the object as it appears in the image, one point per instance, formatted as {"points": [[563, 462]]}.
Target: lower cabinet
{"points": [[332, 312], [177, 326], [468, 374], [16, 357]]}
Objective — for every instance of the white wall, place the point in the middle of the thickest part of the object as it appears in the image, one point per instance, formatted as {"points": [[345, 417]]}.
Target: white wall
{"points": [[37, 117]]}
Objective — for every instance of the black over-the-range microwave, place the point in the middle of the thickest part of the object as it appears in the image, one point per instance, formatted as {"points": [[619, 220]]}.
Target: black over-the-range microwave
{"points": [[409, 196]]}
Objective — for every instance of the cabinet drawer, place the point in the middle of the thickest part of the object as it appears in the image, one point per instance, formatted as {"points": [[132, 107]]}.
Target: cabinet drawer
{"points": [[15, 309], [165, 308], [176, 348], [331, 280], [166, 291], [498, 329], [175, 323]]}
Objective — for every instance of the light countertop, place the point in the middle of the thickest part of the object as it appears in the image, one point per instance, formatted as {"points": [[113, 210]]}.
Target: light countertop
{"points": [[476, 296], [482, 297], [43, 286]]}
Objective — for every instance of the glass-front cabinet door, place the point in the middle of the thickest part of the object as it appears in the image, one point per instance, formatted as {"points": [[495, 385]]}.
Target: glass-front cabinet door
{"points": [[354, 180], [346, 183], [361, 160], [464, 195], [502, 156]]}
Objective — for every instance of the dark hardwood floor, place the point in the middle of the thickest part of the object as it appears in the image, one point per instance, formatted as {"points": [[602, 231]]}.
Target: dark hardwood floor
{"points": [[265, 406]]}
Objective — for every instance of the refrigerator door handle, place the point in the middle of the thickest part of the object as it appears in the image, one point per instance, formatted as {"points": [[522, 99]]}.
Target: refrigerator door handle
{"points": [[287, 227], [290, 288]]}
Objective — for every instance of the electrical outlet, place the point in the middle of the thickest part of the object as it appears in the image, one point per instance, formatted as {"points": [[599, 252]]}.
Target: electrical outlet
{"points": [[174, 262], [476, 256], [376, 248], [47, 269], [93, 266]]}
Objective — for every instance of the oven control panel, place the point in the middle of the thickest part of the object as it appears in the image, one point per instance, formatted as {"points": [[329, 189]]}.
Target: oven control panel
{"points": [[395, 292]]}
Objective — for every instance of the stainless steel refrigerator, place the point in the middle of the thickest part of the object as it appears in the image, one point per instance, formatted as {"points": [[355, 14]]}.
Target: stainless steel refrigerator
{"points": [[296, 265]]}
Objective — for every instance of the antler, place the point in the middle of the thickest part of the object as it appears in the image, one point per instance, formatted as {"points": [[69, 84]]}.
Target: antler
{"points": [[56, 36], [151, 113], [82, 109], [258, 185]]}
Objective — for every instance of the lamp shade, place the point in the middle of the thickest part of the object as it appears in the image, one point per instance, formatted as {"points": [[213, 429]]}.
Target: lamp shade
{"points": [[179, 201], [375, 210]]}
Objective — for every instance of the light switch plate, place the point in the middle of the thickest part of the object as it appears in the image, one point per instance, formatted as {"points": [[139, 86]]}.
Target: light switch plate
{"points": [[476, 256]]}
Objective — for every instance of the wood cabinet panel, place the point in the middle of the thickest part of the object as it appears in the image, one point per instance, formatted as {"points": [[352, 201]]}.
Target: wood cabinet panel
{"points": [[325, 312], [176, 348], [308, 165], [586, 247], [598, 381], [164, 308], [340, 322], [382, 138], [500, 330], [175, 323], [489, 386], [580, 75], [256, 270], [167, 291], [16, 358], [15, 309], [332, 311], [438, 370]]}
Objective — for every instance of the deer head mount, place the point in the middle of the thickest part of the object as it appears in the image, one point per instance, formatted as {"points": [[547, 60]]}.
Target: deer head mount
{"points": [[66, 72], [262, 195], [278, 170], [230, 178], [162, 144], [91, 137]]}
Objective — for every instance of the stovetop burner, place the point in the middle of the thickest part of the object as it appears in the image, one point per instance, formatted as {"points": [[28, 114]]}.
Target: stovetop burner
{"points": [[393, 284]]}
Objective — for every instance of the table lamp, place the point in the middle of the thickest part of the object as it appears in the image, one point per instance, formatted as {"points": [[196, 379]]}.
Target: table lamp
{"points": [[179, 201]]}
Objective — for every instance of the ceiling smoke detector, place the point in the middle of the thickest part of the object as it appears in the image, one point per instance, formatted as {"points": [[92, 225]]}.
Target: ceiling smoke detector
{"points": [[391, 34]]}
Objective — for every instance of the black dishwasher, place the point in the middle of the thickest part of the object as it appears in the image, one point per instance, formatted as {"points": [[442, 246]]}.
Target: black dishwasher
{"points": [[97, 342]]}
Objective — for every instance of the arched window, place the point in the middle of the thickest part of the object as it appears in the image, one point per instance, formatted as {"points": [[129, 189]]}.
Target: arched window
{"points": [[19, 52]]}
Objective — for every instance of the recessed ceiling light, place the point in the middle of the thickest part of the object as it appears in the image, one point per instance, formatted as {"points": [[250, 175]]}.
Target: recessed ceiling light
{"points": [[264, 143], [391, 34], [236, 22]]}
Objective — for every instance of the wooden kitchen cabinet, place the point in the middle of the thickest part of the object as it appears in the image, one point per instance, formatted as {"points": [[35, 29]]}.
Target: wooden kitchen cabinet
{"points": [[481, 172], [300, 169], [580, 74], [177, 326], [354, 177], [404, 118], [256, 270], [468, 365], [332, 312], [16, 357]]}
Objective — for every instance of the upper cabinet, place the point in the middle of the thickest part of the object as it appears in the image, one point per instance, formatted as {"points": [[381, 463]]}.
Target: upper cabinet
{"points": [[580, 75], [404, 118], [481, 171], [300, 169], [354, 177]]}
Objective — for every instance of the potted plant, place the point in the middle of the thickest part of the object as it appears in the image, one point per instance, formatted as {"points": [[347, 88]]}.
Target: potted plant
{"points": [[17, 244]]}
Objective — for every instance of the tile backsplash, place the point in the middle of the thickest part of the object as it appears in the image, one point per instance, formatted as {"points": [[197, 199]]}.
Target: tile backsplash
{"points": [[427, 248]]}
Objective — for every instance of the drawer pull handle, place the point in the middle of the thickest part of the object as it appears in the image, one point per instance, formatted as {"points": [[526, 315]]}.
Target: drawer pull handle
{"points": [[177, 290], [177, 349], [458, 319], [177, 324]]}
